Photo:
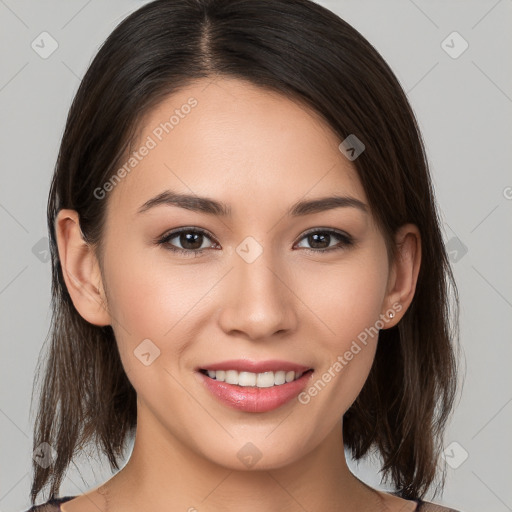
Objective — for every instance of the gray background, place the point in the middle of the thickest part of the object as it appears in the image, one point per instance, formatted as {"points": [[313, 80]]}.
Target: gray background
{"points": [[464, 107]]}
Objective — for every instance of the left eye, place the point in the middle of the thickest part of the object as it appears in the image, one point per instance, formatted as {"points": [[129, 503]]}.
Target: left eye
{"points": [[319, 238]]}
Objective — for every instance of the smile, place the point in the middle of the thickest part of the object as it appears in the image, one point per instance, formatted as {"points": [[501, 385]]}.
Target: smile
{"points": [[266, 394], [249, 379]]}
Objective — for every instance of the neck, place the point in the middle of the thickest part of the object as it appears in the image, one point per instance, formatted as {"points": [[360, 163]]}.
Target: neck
{"points": [[163, 473]]}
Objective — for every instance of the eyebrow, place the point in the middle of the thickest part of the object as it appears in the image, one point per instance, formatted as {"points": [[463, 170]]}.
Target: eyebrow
{"points": [[213, 207]]}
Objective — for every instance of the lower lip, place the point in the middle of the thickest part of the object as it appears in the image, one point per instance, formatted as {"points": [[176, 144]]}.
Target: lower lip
{"points": [[253, 399]]}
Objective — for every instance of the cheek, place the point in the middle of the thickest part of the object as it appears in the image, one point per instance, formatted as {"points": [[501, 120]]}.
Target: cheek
{"points": [[149, 295], [347, 297], [151, 300], [348, 301]]}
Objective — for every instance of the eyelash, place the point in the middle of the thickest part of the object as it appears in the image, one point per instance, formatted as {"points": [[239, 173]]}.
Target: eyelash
{"points": [[346, 240]]}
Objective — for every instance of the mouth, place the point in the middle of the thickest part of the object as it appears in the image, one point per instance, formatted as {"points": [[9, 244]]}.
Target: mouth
{"points": [[261, 391], [245, 379]]}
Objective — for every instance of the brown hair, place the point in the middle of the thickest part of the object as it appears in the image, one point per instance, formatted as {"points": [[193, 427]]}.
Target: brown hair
{"points": [[305, 52]]}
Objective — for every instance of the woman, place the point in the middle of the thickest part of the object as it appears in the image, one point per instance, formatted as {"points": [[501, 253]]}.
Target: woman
{"points": [[248, 270]]}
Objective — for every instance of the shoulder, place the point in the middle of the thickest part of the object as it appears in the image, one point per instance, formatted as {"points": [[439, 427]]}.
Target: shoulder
{"points": [[426, 506], [52, 505]]}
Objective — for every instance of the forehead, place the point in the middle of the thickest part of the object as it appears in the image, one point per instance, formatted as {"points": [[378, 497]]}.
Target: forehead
{"points": [[237, 142]]}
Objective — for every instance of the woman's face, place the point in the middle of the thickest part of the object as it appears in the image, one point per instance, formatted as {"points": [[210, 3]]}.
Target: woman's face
{"points": [[266, 280]]}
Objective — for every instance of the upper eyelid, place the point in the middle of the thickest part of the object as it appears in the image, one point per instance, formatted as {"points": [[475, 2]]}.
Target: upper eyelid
{"points": [[187, 229], [339, 232]]}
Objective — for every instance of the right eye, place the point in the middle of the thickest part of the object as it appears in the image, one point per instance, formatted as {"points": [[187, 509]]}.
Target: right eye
{"points": [[191, 240]]}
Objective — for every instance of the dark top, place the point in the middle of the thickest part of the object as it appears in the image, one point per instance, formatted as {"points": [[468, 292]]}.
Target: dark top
{"points": [[53, 505]]}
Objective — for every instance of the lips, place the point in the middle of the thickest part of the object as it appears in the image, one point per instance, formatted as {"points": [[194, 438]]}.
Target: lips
{"points": [[246, 365], [254, 399], [250, 398]]}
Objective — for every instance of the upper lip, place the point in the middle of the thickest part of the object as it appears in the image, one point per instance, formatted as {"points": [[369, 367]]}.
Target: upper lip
{"points": [[246, 365]]}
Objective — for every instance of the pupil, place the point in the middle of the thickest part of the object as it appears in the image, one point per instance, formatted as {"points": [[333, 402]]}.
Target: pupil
{"points": [[191, 238], [313, 240]]}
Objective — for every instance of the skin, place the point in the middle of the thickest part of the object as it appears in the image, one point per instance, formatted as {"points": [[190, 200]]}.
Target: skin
{"points": [[259, 152]]}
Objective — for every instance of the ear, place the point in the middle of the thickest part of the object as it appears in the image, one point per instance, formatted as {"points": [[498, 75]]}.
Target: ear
{"points": [[404, 273], [80, 269]]}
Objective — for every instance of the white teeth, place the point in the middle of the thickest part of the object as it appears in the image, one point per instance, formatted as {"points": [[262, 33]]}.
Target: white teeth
{"points": [[265, 380], [249, 379], [231, 377], [280, 377]]}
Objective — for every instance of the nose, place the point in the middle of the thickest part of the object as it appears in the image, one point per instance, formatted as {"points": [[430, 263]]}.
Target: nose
{"points": [[257, 301]]}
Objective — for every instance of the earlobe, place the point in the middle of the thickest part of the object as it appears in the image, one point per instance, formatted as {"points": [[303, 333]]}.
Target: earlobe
{"points": [[80, 269], [404, 273]]}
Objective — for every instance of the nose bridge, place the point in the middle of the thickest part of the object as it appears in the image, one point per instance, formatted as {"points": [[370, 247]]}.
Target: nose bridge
{"points": [[257, 302]]}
